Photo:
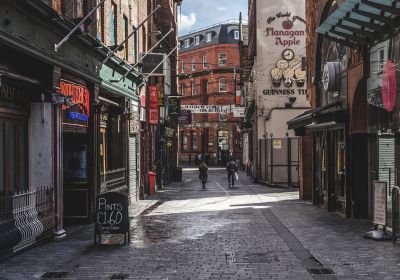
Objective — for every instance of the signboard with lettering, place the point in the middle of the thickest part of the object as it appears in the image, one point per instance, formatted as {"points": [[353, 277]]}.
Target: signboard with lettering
{"points": [[174, 103], [185, 117], [238, 112], [380, 203], [277, 144], [208, 108], [160, 87], [134, 122], [78, 113], [153, 97], [153, 116], [111, 215]]}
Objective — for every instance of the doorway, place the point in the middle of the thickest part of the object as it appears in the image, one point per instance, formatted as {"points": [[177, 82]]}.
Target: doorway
{"points": [[223, 147]]}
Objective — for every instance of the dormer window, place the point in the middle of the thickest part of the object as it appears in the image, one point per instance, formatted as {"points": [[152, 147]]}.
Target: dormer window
{"points": [[236, 34], [196, 40], [208, 37], [187, 43]]}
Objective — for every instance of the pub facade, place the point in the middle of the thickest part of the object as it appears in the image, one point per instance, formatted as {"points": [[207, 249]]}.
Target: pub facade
{"points": [[66, 125]]}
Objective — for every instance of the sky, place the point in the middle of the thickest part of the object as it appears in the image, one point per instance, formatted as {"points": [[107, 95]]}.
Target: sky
{"points": [[198, 14]]}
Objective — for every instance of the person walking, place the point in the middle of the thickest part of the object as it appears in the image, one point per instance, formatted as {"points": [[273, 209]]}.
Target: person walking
{"points": [[232, 168], [203, 169]]}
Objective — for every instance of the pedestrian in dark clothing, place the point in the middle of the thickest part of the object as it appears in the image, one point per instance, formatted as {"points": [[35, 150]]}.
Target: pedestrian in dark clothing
{"points": [[203, 168], [232, 168], [197, 160]]}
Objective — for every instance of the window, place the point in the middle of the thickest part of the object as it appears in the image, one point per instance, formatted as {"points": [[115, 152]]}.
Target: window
{"points": [[193, 64], [100, 23], [126, 33], [236, 34], [184, 141], [183, 89], [381, 60], [192, 87], [134, 47], [208, 37], [13, 156], [113, 24], [194, 140], [196, 40], [187, 43], [183, 68], [205, 63], [222, 85], [222, 59]]}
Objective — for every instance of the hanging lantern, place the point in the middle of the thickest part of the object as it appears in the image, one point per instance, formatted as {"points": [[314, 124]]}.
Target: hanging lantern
{"points": [[389, 86]]}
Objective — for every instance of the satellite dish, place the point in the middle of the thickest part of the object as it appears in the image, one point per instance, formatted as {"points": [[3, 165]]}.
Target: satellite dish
{"points": [[389, 86]]}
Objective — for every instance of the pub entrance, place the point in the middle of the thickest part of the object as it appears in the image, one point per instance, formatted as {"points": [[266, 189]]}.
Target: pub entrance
{"points": [[76, 184]]}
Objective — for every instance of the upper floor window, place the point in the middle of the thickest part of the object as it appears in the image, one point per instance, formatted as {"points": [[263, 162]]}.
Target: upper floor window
{"points": [[222, 59], [113, 24], [183, 89], [187, 43], [208, 37], [100, 22], [222, 85], [193, 64], [126, 34], [236, 34], [183, 68], [192, 88], [196, 40], [205, 62]]}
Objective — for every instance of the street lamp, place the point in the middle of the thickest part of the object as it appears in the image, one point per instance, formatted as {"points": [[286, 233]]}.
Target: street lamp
{"points": [[161, 170]]}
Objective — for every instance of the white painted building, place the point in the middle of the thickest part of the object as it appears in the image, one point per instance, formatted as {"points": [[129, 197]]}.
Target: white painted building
{"points": [[277, 87]]}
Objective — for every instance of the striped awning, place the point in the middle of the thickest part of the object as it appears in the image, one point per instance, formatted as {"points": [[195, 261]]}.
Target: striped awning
{"points": [[362, 22]]}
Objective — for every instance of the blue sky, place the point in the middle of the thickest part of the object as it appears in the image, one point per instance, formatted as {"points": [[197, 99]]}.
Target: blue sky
{"points": [[202, 13]]}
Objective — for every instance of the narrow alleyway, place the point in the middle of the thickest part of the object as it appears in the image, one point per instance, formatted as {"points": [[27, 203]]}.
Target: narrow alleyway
{"points": [[246, 232]]}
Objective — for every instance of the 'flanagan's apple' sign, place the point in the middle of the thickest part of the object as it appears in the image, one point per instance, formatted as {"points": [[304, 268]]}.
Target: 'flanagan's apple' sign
{"points": [[286, 36]]}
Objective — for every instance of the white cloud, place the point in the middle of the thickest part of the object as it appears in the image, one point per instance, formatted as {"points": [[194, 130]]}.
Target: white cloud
{"points": [[221, 9], [186, 22]]}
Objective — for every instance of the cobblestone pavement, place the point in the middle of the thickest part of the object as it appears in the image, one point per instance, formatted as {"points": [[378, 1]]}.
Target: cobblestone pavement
{"points": [[246, 232]]}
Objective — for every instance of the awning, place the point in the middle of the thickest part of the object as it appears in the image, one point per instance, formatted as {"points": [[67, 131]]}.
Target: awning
{"points": [[326, 116], [362, 22]]}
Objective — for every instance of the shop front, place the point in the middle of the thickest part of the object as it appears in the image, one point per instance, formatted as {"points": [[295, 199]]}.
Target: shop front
{"points": [[119, 130], [27, 212]]}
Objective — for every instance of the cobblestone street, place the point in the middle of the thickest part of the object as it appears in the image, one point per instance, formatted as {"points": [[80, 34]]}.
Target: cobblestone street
{"points": [[246, 232]]}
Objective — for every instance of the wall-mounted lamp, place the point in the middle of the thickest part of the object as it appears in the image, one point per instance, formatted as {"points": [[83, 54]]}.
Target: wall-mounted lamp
{"points": [[61, 99]]}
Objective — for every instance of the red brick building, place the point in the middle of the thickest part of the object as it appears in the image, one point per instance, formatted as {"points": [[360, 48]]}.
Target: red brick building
{"points": [[209, 78]]}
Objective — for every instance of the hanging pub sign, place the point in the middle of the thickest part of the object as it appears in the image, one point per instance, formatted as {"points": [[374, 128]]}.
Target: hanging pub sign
{"points": [[185, 117], [160, 88], [134, 122], [143, 102], [78, 112], [112, 215], [153, 97], [153, 116], [174, 103], [389, 86]]}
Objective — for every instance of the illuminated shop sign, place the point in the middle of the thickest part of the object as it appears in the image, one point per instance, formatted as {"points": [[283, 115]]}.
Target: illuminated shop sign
{"points": [[78, 113]]}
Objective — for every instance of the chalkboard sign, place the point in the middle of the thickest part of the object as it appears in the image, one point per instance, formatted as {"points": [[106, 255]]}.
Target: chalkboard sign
{"points": [[111, 215]]}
